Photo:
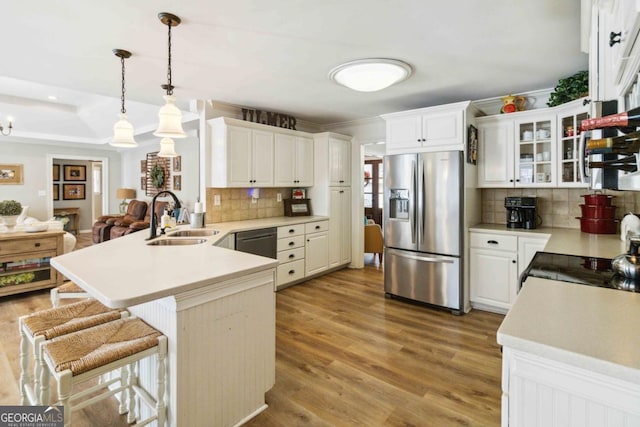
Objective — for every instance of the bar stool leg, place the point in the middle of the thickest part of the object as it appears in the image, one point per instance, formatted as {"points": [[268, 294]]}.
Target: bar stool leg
{"points": [[55, 300], [162, 357], [45, 380], [124, 380], [24, 365], [64, 393], [131, 416]]}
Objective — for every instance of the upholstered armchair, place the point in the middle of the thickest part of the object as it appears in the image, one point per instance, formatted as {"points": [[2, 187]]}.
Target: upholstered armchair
{"points": [[123, 229], [102, 227], [373, 242]]}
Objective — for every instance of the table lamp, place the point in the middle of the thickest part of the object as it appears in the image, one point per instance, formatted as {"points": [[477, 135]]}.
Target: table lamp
{"points": [[124, 194]]}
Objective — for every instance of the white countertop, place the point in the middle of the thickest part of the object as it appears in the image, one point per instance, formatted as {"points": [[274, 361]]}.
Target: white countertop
{"points": [[126, 271], [589, 327]]}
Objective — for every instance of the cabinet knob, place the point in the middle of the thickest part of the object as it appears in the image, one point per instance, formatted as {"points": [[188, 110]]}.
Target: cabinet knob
{"points": [[614, 38], [518, 180], [341, 181], [341, 191], [510, 180], [291, 272], [513, 261], [292, 243], [291, 256], [492, 242], [424, 140], [292, 230], [37, 245], [317, 227]]}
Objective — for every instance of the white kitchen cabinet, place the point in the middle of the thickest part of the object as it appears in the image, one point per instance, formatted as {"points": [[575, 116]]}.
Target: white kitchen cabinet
{"points": [[293, 161], [339, 162], [316, 247], [496, 261], [495, 152], [241, 156], [291, 254], [339, 226], [540, 392], [569, 119], [426, 129]]}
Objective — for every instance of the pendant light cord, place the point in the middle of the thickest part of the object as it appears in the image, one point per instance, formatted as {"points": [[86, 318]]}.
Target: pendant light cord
{"points": [[122, 110], [169, 86]]}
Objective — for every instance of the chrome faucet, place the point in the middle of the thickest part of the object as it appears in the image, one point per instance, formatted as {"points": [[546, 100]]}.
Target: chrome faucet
{"points": [[154, 220]]}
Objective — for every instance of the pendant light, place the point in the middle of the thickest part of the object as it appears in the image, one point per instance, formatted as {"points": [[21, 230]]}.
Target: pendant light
{"points": [[123, 130], [170, 125], [167, 148]]}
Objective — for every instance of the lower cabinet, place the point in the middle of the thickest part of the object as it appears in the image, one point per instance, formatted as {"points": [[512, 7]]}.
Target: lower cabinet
{"points": [[316, 247], [495, 263], [340, 226]]}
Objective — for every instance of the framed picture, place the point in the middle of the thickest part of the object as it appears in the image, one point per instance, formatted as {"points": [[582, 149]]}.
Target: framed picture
{"points": [[56, 191], [73, 192], [75, 173], [177, 182], [56, 172], [177, 164], [297, 207], [143, 183], [11, 174], [472, 145], [143, 166]]}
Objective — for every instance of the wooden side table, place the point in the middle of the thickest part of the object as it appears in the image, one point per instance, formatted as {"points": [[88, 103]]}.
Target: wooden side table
{"points": [[74, 213]]}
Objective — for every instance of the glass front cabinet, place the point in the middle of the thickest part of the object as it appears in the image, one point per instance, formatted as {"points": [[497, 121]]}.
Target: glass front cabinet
{"points": [[536, 151], [569, 173]]}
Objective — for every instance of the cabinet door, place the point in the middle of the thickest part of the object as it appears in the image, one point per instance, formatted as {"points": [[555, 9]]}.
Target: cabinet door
{"points": [[495, 154], [262, 158], [535, 152], [527, 248], [316, 253], [404, 133], [345, 226], [304, 161], [569, 174], [493, 277], [239, 157], [284, 160], [339, 226], [442, 130], [339, 162]]}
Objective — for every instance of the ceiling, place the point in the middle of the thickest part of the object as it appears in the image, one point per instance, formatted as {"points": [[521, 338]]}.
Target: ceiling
{"points": [[272, 55]]}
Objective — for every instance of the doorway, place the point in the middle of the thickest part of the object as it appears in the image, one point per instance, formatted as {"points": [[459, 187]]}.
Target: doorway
{"points": [[373, 189]]}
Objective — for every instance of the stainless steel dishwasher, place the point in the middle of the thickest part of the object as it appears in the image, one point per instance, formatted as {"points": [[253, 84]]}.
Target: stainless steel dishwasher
{"points": [[263, 242]]}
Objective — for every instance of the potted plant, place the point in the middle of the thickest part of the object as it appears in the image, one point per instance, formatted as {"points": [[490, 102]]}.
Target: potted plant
{"points": [[571, 88], [9, 212]]}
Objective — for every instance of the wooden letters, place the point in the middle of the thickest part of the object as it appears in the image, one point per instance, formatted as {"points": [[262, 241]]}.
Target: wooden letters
{"points": [[269, 118]]}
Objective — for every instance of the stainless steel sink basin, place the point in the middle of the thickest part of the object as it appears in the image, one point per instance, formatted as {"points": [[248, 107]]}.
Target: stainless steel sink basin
{"points": [[176, 242], [193, 233]]}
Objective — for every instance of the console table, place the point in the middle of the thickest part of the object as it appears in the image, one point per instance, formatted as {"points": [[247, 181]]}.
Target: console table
{"points": [[74, 213]]}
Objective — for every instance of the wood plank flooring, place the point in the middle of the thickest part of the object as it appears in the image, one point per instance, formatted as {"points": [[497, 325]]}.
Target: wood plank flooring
{"points": [[345, 356]]}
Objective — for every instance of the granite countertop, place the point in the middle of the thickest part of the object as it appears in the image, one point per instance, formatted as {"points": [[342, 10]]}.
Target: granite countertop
{"points": [[126, 271], [583, 326]]}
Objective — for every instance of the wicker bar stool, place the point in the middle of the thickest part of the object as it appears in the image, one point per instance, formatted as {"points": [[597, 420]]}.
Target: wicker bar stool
{"points": [[90, 353], [37, 328], [67, 290]]}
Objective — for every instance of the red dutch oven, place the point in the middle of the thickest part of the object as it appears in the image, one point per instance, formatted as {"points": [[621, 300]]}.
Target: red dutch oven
{"points": [[598, 226], [598, 211], [597, 199]]}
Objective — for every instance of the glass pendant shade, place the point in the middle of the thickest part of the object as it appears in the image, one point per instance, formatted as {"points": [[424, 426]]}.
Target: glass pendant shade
{"points": [[167, 148], [170, 125], [123, 133]]}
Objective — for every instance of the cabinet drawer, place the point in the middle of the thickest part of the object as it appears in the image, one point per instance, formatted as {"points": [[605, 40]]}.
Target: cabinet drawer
{"points": [[290, 271], [27, 245], [315, 227], [291, 255], [290, 243], [494, 241], [290, 230]]}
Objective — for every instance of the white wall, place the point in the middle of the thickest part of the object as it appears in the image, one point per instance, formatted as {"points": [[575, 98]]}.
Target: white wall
{"points": [[34, 158]]}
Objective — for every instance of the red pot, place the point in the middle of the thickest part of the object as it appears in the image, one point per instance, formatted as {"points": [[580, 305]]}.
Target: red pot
{"points": [[598, 211], [597, 199], [598, 226]]}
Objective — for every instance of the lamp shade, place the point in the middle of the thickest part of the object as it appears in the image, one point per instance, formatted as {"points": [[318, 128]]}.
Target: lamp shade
{"points": [[123, 133], [125, 193], [167, 148], [170, 116]]}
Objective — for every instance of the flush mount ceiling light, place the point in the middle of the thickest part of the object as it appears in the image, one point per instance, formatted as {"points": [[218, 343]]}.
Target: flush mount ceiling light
{"points": [[170, 125], [370, 75], [123, 130], [167, 148]]}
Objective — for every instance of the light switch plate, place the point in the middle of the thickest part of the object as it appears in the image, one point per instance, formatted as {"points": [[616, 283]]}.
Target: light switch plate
{"points": [[278, 197], [216, 200]]}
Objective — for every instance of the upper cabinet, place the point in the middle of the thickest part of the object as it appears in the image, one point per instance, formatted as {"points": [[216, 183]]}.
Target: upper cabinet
{"points": [[244, 154], [339, 162], [293, 161], [537, 148], [426, 129]]}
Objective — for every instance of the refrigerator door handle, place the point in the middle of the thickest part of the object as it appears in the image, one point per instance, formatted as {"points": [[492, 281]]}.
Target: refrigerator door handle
{"points": [[412, 209], [419, 257], [423, 201], [582, 158]]}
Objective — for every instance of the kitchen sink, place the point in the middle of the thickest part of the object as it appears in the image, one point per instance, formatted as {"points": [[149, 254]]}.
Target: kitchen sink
{"points": [[193, 233], [176, 242]]}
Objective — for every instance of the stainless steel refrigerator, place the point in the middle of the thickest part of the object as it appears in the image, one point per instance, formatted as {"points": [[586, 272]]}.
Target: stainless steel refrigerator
{"points": [[423, 214]]}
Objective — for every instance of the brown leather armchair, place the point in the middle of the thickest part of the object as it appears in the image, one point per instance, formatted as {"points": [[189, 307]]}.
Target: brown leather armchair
{"points": [[125, 228], [102, 227]]}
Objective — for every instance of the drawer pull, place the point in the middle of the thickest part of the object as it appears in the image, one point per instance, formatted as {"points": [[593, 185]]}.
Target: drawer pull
{"points": [[317, 227], [291, 256], [292, 230], [292, 243], [292, 272], [37, 245], [492, 242]]}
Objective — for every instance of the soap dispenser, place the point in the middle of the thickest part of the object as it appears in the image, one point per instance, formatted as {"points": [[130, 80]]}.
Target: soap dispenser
{"points": [[165, 221]]}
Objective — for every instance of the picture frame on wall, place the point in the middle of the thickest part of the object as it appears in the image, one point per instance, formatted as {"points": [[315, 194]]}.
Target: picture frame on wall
{"points": [[177, 182], [73, 192], [56, 191], [56, 172], [11, 174], [75, 173], [472, 145], [177, 164], [143, 166], [143, 183]]}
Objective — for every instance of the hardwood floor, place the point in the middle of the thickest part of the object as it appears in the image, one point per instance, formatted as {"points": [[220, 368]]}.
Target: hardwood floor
{"points": [[345, 356]]}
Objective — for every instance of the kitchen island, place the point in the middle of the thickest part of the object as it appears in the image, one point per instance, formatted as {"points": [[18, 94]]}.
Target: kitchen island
{"points": [[217, 308], [571, 353]]}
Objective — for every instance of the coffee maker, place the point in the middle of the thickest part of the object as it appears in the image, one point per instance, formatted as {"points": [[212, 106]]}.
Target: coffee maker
{"points": [[521, 212]]}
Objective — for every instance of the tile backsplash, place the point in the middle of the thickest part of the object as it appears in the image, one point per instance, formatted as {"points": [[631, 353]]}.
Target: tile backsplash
{"points": [[557, 207], [236, 204]]}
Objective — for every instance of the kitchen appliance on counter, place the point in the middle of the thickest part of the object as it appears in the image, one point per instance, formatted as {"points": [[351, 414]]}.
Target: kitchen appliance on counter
{"points": [[423, 223], [521, 212], [582, 270]]}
